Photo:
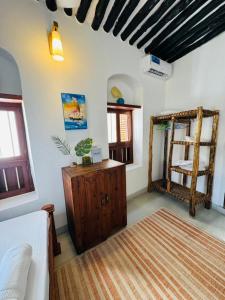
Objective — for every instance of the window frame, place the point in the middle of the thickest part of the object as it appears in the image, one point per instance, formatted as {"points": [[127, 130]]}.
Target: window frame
{"points": [[116, 148], [14, 103]]}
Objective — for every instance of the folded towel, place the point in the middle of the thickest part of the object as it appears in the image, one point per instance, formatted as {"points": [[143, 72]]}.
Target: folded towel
{"points": [[192, 139], [14, 269], [189, 139], [201, 167], [183, 163], [188, 165]]}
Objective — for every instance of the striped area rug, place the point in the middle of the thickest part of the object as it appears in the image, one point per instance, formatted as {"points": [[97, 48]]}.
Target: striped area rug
{"points": [[161, 257]]}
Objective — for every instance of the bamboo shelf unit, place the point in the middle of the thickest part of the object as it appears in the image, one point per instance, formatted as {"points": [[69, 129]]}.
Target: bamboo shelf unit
{"points": [[181, 191]]}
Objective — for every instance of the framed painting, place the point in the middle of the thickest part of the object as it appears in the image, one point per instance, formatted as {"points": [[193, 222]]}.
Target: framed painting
{"points": [[74, 111]]}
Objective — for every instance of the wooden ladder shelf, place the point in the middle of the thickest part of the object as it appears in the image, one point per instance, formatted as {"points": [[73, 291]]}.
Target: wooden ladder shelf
{"points": [[181, 191]]}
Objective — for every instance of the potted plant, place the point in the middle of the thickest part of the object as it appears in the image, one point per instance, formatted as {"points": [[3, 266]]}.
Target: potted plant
{"points": [[82, 149]]}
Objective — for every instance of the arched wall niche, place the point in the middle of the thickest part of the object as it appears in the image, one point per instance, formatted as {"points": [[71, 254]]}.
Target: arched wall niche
{"points": [[10, 82], [129, 86]]}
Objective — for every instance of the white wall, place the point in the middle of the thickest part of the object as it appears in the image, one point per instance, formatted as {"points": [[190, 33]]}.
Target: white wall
{"points": [[9, 74], [199, 80], [90, 59]]}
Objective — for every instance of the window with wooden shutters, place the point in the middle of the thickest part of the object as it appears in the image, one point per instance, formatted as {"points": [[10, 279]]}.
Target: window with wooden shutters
{"points": [[15, 173], [120, 135]]}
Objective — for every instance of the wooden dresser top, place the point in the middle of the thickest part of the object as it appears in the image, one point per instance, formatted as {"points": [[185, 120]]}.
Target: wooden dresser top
{"points": [[79, 170]]}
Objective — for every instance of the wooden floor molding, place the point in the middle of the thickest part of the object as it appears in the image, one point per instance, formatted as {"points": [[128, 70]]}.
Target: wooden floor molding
{"points": [[161, 257]]}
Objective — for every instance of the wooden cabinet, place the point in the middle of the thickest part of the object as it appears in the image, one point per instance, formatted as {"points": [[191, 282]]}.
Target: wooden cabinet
{"points": [[95, 201]]}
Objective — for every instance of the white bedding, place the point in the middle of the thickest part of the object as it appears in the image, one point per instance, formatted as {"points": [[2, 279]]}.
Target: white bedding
{"points": [[31, 229]]}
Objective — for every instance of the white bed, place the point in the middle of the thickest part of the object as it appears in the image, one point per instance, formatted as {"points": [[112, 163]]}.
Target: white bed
{"points": [[32, 229]]}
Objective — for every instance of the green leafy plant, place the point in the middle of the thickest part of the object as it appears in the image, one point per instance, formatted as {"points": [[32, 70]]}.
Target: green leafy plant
{"points": [[84, 147], [167, 126], [62, 145], [164, 126]]}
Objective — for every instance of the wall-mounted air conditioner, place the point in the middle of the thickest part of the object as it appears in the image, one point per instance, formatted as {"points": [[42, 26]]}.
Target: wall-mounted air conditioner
{"points": [[156, 67]]}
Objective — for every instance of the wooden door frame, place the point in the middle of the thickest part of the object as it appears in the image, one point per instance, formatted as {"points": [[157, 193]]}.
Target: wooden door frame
{"points": [[118, 145]]}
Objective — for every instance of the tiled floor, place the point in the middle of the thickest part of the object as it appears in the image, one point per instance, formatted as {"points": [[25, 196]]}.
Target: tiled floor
{"points": [[144, 205]]}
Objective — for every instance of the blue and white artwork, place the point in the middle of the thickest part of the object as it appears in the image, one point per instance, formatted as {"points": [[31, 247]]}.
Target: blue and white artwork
{"points": [[74, 111]]}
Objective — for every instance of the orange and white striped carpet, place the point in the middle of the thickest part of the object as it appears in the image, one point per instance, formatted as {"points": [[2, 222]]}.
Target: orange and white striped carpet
{"points": [[161, 257]]}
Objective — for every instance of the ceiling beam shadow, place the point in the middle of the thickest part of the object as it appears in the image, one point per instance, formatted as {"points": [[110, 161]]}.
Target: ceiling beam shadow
{"points": [[113, 15], [173, 39], [166, 4], [197, 34], [169, 16], [124, 16], [138, 18], [209, 36], [99, 13], [51, 5], [181, 18], [68, 11], [82, 10]]}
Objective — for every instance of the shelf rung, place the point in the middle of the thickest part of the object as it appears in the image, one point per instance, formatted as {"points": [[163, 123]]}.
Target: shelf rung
{"points": [[189, 173], [180, 192], [186, 143], [184, 115]]}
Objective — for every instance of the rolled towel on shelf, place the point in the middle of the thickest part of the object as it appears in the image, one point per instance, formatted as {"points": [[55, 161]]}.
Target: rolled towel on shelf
{"points": [[189, 139], [205, 140], [181, 163], [14, 268], [192, 139], [188, 165], [202, 167]]}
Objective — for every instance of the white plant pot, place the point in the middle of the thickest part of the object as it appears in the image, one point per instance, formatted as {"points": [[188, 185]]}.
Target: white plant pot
{"points": [[67, 3], [79, 160], [71, 159]]}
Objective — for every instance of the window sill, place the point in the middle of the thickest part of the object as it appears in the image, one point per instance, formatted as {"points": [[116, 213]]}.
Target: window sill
{"points": [[132, 167], [15, 201]]}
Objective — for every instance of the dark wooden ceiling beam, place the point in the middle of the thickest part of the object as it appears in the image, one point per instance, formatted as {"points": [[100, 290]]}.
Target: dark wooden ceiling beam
{"points": [[99, 13], [209, 36], [82, 10], [202, 31], [183, 16], [113, 15], [152, 20], [173, 39], [172, 13], [124, 16], [68, 11], [138, 18], [51, 5], [200, 27]]}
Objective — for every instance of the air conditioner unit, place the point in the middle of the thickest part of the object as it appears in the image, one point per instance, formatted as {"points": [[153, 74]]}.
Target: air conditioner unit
{"points": [[156, 67]]}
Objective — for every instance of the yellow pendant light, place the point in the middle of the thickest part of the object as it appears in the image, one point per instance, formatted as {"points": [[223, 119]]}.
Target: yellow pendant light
{"points": [[55, 43]]}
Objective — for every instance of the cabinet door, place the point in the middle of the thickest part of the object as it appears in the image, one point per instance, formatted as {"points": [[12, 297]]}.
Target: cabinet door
{"points": [[115, 181], [106, 208], [91, 208]]}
